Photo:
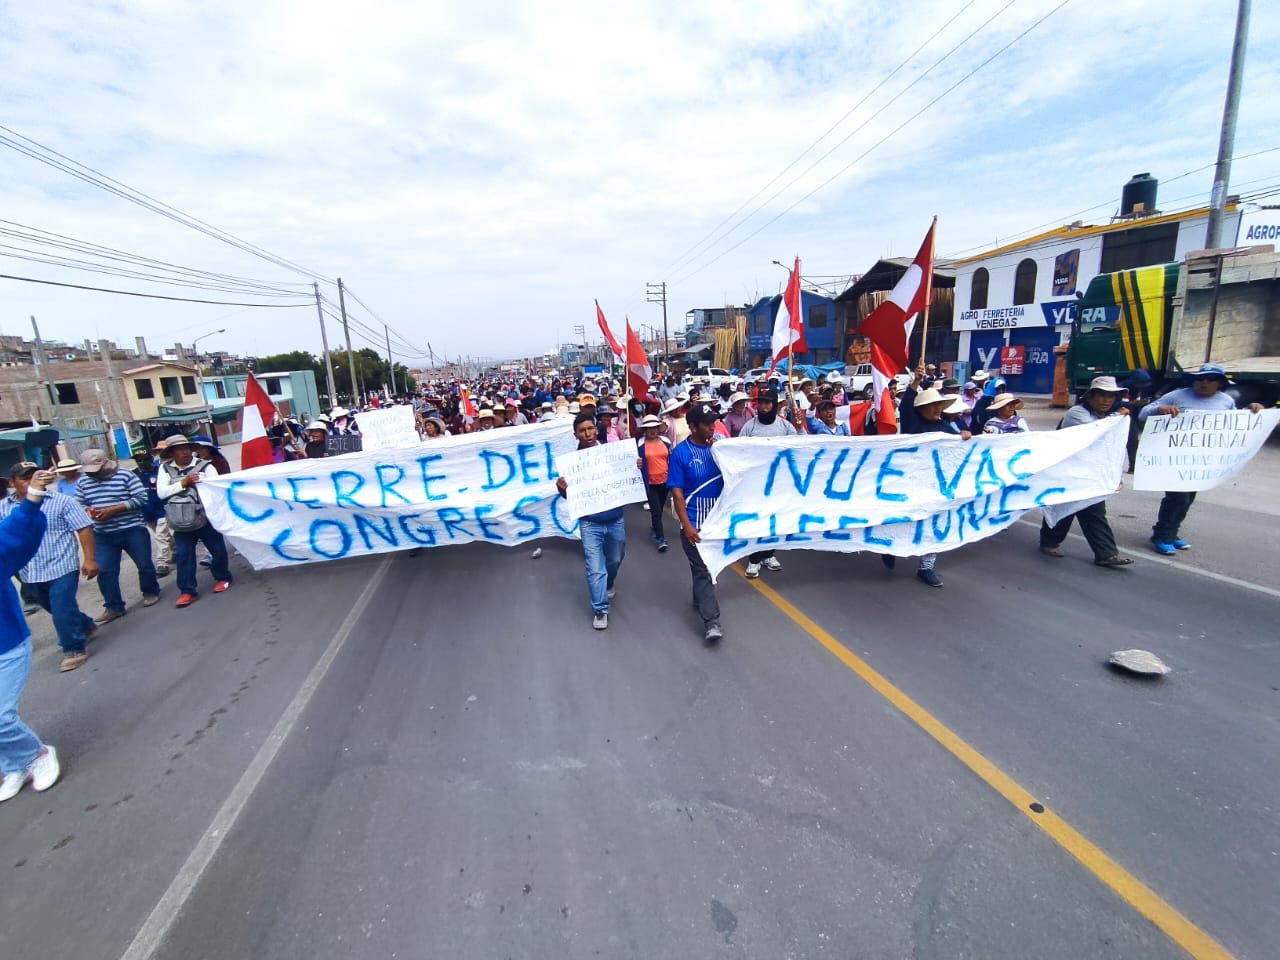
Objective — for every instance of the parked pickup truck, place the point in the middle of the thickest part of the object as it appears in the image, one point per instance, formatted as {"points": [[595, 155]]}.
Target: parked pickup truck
{"points": [[858, 379], [1217, 306]]}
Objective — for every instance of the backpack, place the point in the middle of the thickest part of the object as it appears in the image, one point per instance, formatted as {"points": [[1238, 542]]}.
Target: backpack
{"points": [[183, 510]]}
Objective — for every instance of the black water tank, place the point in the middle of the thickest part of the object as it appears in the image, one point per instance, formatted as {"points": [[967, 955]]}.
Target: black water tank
{"points": [[1139, 196]]}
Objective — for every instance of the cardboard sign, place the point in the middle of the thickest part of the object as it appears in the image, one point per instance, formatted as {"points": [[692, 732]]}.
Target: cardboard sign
{"points": [[601, 477], [1199, 449], [388, 427]]}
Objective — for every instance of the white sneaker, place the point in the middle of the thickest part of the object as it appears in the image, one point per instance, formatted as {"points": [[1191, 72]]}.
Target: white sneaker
{"points": [[12, 784], [600, 621], [772, 563], [753, 571], [611, 592], [44, 769]]}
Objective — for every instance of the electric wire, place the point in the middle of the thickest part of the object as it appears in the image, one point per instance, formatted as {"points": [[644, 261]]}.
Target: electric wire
{"points": [[57, 241], [150, 296], [50, 157], [874, 146], [807, 150]]}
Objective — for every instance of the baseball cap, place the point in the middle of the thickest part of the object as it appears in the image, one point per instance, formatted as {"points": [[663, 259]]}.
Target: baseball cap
{"points": [[23, 469], [93, 460]]}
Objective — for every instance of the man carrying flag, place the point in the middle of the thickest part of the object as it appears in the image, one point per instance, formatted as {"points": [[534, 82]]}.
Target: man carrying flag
{"points": [[889, 327], [788, 326]]}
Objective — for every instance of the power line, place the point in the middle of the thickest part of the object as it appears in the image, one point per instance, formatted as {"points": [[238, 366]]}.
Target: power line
{"points": [[149, 296], [680, 258], [1114, 202], [98, 179], [58, 241], [875, 145]]}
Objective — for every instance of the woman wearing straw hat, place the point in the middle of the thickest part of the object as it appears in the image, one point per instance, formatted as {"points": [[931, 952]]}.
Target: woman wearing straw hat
{"points": [[1004, 416]]}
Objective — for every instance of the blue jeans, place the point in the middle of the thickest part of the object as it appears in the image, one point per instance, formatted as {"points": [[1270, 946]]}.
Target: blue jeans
{"points": [[604, 545], [59, 598], [18, 745], [108, 546], [184, 551]]}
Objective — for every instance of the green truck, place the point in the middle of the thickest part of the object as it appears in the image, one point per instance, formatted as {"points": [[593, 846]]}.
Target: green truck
{"points": [[1217, 306]]}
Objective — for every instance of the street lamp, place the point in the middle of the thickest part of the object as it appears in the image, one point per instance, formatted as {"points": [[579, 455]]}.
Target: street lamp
{"points": [[204, 399]]}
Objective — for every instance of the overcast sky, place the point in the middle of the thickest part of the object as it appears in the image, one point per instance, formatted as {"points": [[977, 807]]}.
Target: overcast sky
{"points": [[478, 173]]}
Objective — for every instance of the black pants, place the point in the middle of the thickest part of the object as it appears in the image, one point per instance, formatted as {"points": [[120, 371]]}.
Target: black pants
{"points": [[760, 556], [1173, 510], [704, 590], [1093, 524], [657, 502]]}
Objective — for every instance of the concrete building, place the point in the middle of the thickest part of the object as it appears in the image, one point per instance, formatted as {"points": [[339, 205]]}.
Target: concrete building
{"points": [[1023, 294]]}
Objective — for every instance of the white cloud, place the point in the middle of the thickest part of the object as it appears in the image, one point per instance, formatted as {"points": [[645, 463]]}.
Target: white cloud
{"points": [[480, 172]]}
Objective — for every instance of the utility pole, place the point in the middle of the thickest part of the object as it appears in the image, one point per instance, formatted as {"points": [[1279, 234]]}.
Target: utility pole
{"points": [[391, 367], [46, 376], [324, 340], [657, 293], [1227, 140], [346, 332]]}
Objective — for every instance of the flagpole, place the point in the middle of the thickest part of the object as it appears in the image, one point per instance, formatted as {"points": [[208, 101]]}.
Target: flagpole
{"points": [[626, 367], [791, 361], [928, 289]]}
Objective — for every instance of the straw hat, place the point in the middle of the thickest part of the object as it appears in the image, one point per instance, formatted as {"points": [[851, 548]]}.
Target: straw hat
{"points": [[67, 466], [926, 397], [1002, 401], [650, 421], [737, 397]]}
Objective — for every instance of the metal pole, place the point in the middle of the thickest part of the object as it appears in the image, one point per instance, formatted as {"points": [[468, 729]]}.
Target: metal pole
{"points": [[346, 332], [391, 367], [1226, 142], [44, 370], [324, 340]]}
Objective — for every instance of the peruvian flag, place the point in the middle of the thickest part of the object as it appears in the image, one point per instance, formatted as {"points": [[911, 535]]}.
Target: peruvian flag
{"points": [[259, 412], [614, 345], [889, 327], [788, 328], [639, 372], [468, 405]]}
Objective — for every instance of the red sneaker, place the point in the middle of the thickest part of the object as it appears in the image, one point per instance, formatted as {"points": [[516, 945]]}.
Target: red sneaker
{"points": [[186, 600], [222, 586]]}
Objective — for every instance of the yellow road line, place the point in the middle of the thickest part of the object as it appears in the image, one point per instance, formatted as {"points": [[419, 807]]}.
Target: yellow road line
{"points": [[1142, 898]]}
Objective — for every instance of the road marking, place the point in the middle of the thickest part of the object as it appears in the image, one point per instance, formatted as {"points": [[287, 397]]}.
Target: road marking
{"points": [[1178, 928], [162, 918], [1197, 571]]}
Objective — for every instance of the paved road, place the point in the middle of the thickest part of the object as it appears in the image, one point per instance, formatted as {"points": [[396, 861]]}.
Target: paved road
{"points": [[437, 757]]}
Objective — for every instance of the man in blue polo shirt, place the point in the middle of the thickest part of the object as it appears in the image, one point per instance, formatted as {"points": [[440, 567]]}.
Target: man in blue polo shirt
{"points": [[695, 482]]}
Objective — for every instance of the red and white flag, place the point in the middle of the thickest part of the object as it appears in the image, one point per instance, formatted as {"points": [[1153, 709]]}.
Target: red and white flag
{"points": [[639, 372], [259, 412], [788, 327], [469, 410], [614, 345], [889, 327]]}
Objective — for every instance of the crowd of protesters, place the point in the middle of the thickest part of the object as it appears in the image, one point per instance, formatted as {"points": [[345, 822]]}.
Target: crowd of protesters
{"points": [[79, 518]]}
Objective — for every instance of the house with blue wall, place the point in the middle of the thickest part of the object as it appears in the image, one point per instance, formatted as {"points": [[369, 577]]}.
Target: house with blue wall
{"points": [[820, 335]]}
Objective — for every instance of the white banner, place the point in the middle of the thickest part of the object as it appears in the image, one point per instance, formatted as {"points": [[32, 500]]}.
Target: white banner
{"points": [[901, 495], [1199, 449], [497, 486], [601, 477], [387, 427]]}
